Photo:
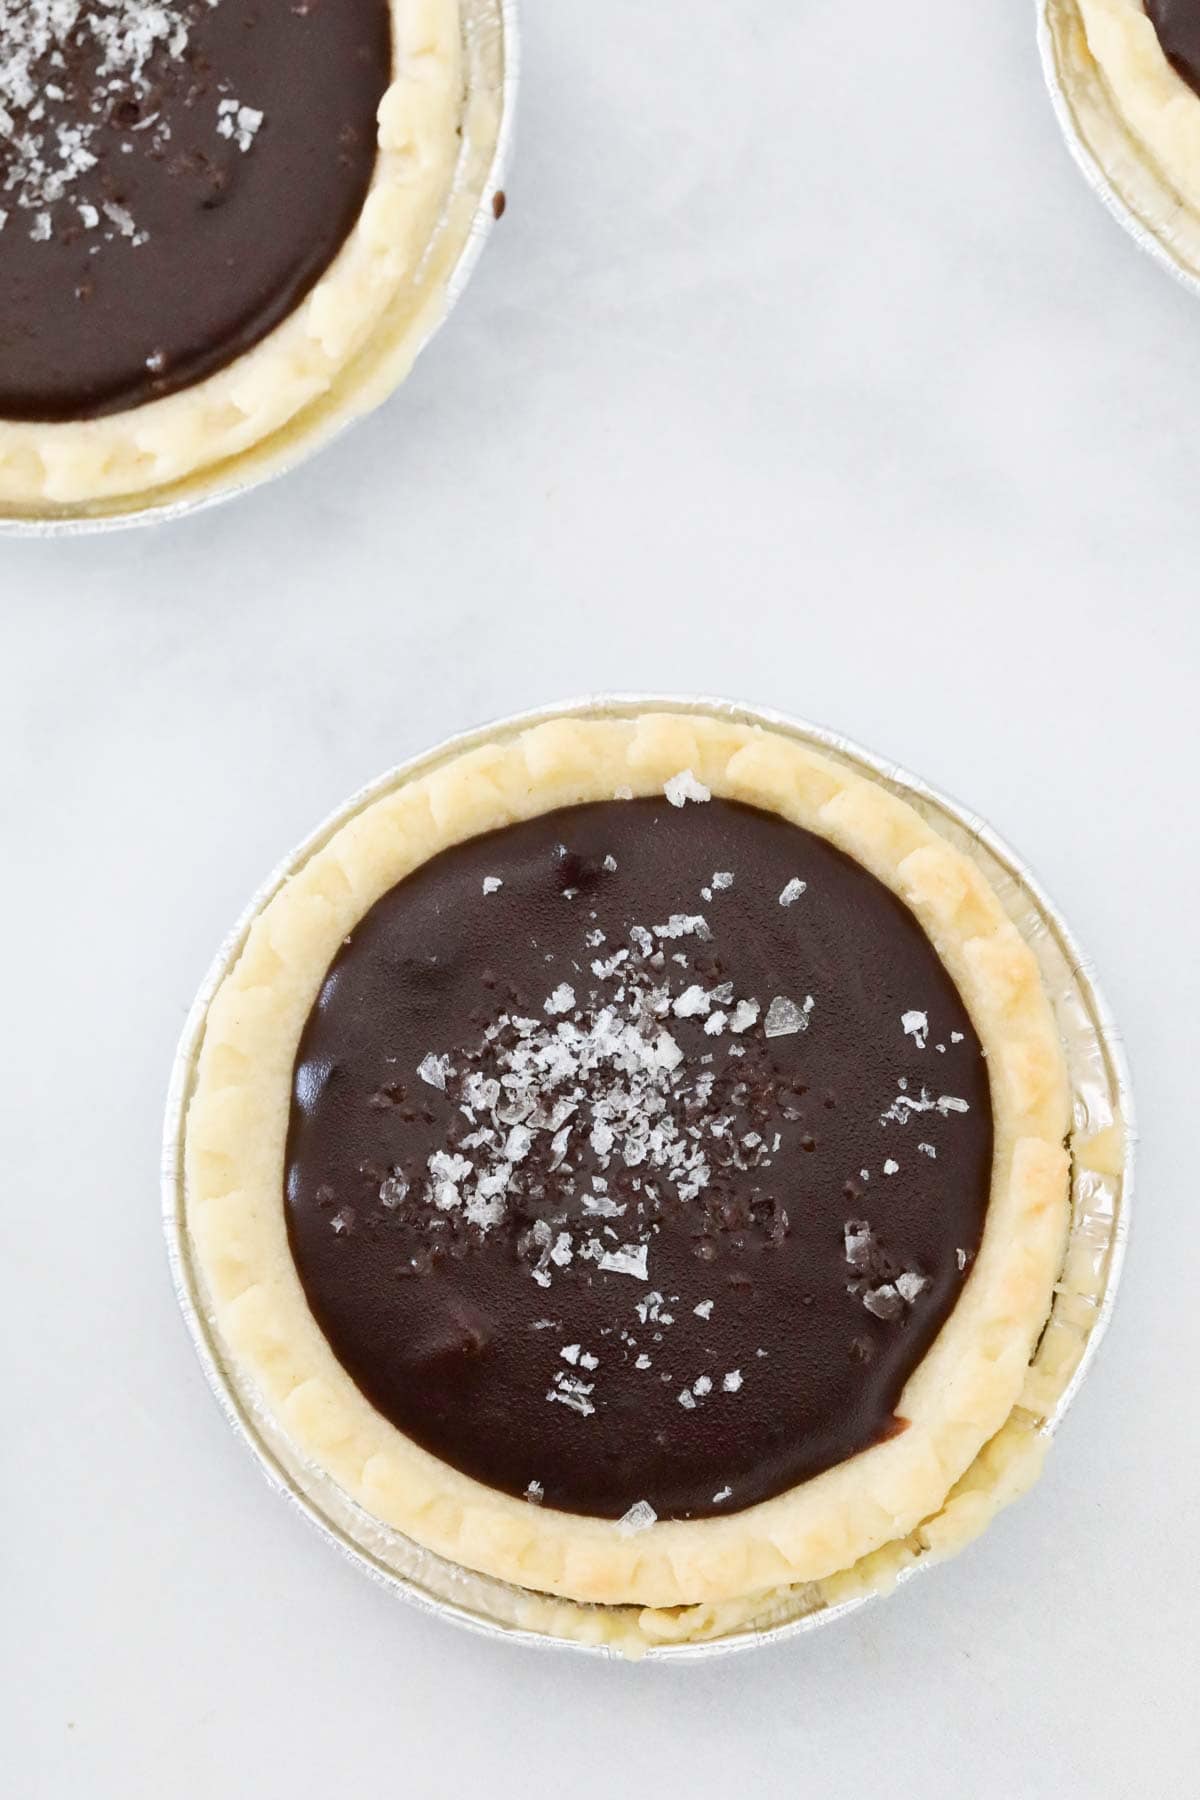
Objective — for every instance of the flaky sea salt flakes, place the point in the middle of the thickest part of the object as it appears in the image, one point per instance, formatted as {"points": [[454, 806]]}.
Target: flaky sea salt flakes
{"points": [[692, 1002], [704, 1310], [393, 1189], [956, 1037], [610, 863], [960, 1256], [927, 1150], [561, 1252], [683, 925], [237, 122], [686, 1399], [447, 1172], [570, 1353], [683, 787], [601, 1205], [905, 1105], [702, 1385], [784, 1017], [572, 1393], [716, 1022], [492, 884], [744, 1015], [793, 891], [434, 1071], [343, 1220], [909, 1285], [562, 1000], [721, 1494], [640, 1517], [722, 879], [629, 1259], [857, 1238], [891, 1166], [535, 1493], [732, 1382], [883, 1302], [605, 967], [885, 1299], [916, 1026], [517, 1143], [121, 217]]}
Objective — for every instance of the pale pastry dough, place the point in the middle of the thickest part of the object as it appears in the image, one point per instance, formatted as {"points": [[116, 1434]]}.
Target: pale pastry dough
{"points": [[1157, 106], [957, 1400]]}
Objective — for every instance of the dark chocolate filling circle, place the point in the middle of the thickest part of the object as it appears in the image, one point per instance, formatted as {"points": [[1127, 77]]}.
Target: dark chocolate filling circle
{"points": [[1177, 23], [721, 1291], [227, 175]]}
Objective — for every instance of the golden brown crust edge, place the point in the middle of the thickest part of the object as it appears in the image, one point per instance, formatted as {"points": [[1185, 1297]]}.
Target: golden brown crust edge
{"points": [[957, 1400]]}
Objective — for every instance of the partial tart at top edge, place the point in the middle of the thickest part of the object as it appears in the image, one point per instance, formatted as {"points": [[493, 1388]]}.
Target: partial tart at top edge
{"points": [[1127, 77], [813, 1104], [210, 210]]}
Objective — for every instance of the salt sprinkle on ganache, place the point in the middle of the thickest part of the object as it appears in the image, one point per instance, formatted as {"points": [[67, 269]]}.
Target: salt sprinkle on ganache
{"points": [[640, 1517], [66, 67], [683, 787]]}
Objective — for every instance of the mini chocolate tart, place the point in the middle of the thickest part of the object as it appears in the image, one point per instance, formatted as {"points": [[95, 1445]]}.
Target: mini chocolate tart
{"points": [[630, 1161], [206, 209], [1127, 73]]}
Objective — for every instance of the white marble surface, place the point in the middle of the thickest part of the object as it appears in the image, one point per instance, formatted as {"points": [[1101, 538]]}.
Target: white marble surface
{"points": [[802, 367]]}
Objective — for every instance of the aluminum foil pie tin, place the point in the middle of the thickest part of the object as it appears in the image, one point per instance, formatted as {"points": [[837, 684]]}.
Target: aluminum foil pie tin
{"points": [[1084, 1298], [1126, 183], [491, 63]]}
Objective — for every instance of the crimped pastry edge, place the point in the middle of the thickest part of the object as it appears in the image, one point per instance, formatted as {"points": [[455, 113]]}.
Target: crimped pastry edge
{"points": [[957, 1401]]}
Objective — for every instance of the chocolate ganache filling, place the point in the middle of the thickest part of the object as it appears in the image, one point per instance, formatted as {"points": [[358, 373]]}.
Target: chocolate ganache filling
{"points": [[1177, 23], [637, 1154], [174, 178]]}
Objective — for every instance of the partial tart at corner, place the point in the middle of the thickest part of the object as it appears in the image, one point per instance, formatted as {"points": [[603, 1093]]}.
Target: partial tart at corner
{"points": [[1126, 74], [210, 213], [629, 1160]]}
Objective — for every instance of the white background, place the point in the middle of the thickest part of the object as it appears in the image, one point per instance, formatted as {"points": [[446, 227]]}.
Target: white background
{"points": [[802, 368]]}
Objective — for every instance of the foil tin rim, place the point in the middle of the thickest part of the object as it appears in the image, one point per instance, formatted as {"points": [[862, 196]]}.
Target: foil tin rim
{"points": [[482, 224], [606, 705], [1089, 165]]}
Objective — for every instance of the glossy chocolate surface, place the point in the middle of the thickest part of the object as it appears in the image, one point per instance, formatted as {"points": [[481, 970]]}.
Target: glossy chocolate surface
{"points": [[638, 1153]]}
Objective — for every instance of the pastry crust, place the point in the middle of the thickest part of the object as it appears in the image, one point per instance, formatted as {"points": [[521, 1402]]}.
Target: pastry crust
{"points": [[1159, 109], [958, 1399], [225, 416]]}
